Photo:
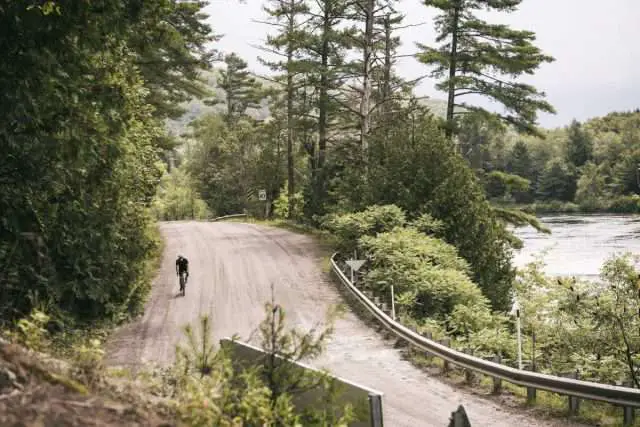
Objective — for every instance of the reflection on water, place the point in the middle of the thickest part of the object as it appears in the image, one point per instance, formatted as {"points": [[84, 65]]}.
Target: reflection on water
{"points": [[579, 244]]}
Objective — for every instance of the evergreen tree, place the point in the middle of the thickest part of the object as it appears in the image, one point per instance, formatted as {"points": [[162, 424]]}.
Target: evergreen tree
{"points": [[579, 145], [241, 89], [287, 44], [557, 182], [478, 58], [171, 41], [326, 44], [519, 161]]}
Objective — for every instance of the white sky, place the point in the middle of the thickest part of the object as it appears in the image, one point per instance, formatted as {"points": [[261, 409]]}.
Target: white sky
{"points": [[596, 45]]}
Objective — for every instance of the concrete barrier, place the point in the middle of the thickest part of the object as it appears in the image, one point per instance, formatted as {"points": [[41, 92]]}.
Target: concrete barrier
{"points": [[367, 403]]}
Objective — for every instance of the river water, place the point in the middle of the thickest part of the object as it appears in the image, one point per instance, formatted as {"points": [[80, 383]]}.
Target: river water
{"points": [[579, 244]]}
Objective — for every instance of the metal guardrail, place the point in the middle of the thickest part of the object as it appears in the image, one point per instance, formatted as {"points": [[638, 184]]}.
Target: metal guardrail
{"points": [[615, 395], [220, 218]]}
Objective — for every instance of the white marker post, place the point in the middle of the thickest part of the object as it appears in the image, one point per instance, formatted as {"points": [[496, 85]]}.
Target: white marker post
{"points": [[393, 304], [515, 310], [355, 265]]}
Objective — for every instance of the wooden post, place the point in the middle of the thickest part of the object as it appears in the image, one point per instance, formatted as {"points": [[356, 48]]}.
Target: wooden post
{"points": [[531, 392], [468, 373], [574, 402], [445, 367], [628, 414], [429, 336], [497, 382]]}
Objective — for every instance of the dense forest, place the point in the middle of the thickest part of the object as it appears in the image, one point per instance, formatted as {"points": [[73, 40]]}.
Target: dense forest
{"points": [[86, 90]]}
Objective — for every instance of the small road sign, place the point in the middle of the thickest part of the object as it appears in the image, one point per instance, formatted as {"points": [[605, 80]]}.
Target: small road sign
{"points": [[355, 264], [262, 195]]}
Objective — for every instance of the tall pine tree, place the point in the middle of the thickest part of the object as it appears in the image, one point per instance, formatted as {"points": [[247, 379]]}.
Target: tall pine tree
{"points": [[579, 145], [241, 89], [479, 58], [287, 44]]}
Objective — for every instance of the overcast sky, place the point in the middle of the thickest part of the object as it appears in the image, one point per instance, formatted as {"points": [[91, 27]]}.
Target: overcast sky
{"points": [[596, 45]]}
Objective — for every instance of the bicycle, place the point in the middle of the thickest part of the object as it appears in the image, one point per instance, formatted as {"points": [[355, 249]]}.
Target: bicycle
{"points": [[183, 281]]}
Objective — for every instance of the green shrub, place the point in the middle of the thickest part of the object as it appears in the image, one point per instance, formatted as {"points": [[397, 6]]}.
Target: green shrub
{"points": [[625, 204], [427, 273], [348, 228], [281, 205]]}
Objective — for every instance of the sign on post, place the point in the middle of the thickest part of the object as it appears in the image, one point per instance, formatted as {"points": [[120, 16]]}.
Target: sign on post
{"points": [[355, 265], [262, 195]]}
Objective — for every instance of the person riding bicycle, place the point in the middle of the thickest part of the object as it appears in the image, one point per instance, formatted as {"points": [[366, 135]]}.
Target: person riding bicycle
{"points": [[182, 266]]}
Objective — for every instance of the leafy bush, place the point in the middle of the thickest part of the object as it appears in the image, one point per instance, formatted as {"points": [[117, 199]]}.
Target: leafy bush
{"points": [[592, 325], [176, 199], [281, 205], [348, 228], [625, 204], [31, 332], [427, 273]]}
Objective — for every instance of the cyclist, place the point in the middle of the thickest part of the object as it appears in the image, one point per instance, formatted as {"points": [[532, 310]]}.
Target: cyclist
{"points": [[182, 266]]}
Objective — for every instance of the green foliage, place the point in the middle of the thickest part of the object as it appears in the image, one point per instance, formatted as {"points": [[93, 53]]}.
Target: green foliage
{"points": [[349, 228], [427, 224], [424, 267], [503, 185], [478, 58], [591, 188], [208, 388], [31, 331], [579, 145], [421, 174], [82, 148], [557, 182], [176, 199], [281, 205], [229, 164], [242, 91], [171, 44], [593, 166], [593, 325]]}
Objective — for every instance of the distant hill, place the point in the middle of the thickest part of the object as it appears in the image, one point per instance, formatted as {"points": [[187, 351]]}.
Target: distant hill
{"points": [[196, 108]]}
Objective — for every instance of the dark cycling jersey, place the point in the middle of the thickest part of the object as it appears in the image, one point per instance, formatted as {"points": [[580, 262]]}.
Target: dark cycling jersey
{"points": [[182, 265]]}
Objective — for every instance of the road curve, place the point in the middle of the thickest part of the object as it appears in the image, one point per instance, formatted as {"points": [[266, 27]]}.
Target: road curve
{"points": [[232, 268]]}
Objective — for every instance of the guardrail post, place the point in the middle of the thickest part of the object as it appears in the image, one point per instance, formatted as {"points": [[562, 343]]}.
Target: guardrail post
{"points": [[445, 366], [531, 391], [574, 402], [497, 382], [628, 412], [468, 373], [428, 355], [628, 416]]}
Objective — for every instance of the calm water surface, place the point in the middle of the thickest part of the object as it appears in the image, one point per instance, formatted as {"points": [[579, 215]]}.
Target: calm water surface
{"points": [[579, 244]]}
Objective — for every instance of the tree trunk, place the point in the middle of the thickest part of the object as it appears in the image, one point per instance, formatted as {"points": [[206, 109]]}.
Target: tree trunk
{"points": [[323, 106], [452, 73], [365, 102], [290, 93]]}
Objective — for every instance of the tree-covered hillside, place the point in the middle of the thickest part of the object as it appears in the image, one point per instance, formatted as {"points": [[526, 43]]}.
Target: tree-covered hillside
{"points": [[590, 166]]}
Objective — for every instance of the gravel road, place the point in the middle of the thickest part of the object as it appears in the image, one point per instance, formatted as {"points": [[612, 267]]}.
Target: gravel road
{"points": [[233, 266]]}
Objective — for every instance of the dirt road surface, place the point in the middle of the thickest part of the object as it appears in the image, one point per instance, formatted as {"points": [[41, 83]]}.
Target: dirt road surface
{"points": [[232, 266]]}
